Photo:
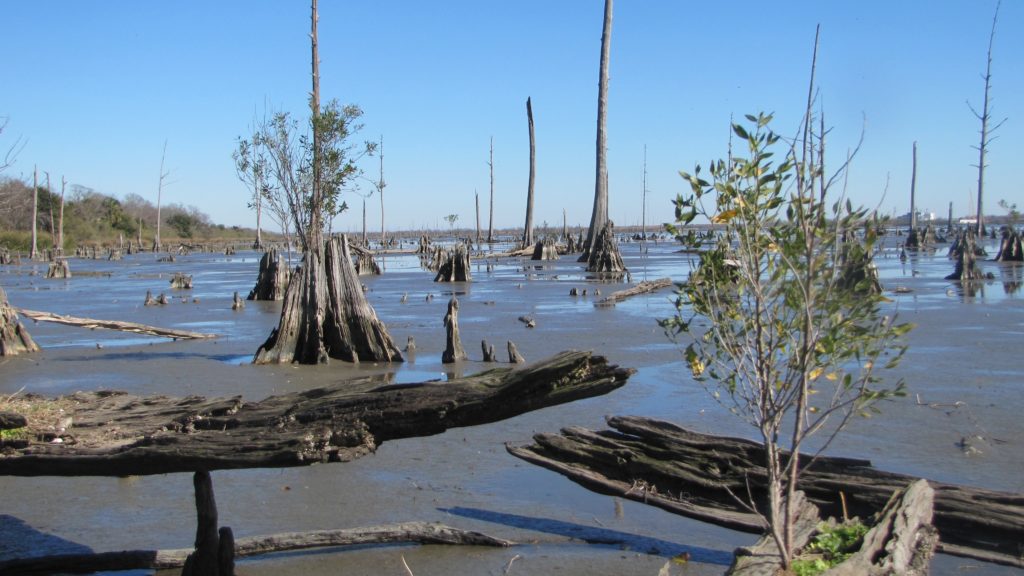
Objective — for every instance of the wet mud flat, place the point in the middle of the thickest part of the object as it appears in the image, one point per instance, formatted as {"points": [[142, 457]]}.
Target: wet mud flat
{"points": [[960, 422]]}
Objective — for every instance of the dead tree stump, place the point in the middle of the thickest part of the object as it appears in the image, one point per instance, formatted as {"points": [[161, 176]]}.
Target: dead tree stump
{"points": [[14, 339], [326, 315], [181, 281], [456, 266], [272, 278], [488, 349], [212, 557], [604, 258], [859, 273], [58, 269], [365, 265], [514, 357], [237, 303], [1010, 246], [424, 247], [453, 351], [966, 268], [545, 250]]}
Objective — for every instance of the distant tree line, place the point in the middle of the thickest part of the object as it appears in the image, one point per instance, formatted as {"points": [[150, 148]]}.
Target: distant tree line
{"points": [[92, 217]]}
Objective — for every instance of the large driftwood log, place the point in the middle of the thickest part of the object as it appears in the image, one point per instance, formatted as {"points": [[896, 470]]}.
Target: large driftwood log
{"points": [[272, 278], [641, 288], [92, 323], [698, 476], [406, 532], [326, 315], [14, 339], [117, 434]]}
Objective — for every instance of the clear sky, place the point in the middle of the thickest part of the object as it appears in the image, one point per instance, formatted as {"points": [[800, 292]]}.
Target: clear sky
{"points": [[97, 86]]}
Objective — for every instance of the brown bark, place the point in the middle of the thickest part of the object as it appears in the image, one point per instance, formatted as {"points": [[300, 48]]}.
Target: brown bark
{"points": [[964, 252], [644, 287], [700, 476], [545, 250], [117, 434], [326, 315], [454, 265], [14, 339], [1010, 249], [604, 258]]}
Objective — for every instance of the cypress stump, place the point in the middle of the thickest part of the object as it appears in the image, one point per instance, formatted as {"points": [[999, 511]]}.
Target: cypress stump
{"points": [[14, 339], [272, 279]]}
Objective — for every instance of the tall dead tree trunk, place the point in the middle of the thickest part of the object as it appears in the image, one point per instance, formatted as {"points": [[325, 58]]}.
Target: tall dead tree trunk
{"points": [[60, 222], [14, 339], [913, 241], [159, 195], [986, 131], [490, 225], [34, 252], [476, 196], [325, 314], [528, 228], [380, 190], [599, 216]]}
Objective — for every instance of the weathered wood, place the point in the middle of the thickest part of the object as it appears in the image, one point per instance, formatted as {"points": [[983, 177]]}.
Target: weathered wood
{"points": [[644, 287], [762, 558], [1010, 249], [272, 278], [528, 321], [697, 475], [488, 350], [58, 269], [365, 264], [545, 250], [326, 315], [514, 357], [408, 532], [237, 303], [453, 351], [902, 540], [181, 281], [603, 257], [14, 338], [117, 434], [92, 324], [455, 265], [964, 253], [204, 560]]}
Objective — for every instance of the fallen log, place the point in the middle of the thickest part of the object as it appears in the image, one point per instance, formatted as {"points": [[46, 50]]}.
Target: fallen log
{"points": [[698, 475], [117, 434], [406, 532], [641, 288], [92, 324]]}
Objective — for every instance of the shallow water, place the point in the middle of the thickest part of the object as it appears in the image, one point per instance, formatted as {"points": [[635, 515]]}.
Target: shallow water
{"points": [[962, 369]]}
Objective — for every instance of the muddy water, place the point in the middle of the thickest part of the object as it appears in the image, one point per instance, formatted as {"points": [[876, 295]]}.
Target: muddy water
{"points": [[961, 422]]}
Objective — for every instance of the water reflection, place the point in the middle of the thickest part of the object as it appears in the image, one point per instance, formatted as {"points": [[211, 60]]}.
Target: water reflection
{"points": [[1012, 276]]}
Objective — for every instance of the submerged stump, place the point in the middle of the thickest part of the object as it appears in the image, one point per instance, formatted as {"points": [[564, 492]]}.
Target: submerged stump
{"points": [[1010, 246], [545, 250], [326, 315], [181, 281], [14, 339], [604, 257], [59, 269], [272, 278], [964, 254], [453, 351], [455, 265]]}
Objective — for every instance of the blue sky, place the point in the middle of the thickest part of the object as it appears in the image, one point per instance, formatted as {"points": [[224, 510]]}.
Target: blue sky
{"points": [[96, 87]]}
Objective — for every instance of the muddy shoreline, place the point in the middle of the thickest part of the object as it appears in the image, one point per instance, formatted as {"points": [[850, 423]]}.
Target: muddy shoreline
{"points": [[960, 422]]}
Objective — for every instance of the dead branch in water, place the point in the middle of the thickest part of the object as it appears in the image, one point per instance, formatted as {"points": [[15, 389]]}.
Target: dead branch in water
{"points": [[92, 324]]}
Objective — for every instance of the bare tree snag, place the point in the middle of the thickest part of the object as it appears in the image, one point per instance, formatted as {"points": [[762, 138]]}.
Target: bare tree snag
{"points": [[528, 227], [34, 251], [599, 216], [237, 303], [14, 339], [410, 345], [604, 258], [337, 423], [545, 250], [490, 225], [204, 561], [644, 287], [455, 265], [514, 357], [364, 263], [406, 532], [699, 476], [453, 351], [92, 324], [181, 281], [272, 279], [326, 315]]}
